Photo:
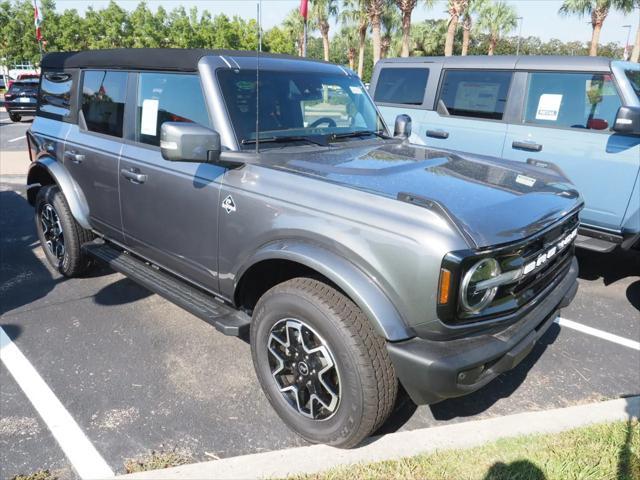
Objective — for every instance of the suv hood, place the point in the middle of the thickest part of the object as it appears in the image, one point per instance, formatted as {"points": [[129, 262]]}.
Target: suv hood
{"points": [[493, 201]]}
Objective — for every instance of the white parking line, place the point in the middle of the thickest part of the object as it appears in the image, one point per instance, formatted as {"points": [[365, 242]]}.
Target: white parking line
{"points": [[82, 455], [563, 322], [15, 139]]}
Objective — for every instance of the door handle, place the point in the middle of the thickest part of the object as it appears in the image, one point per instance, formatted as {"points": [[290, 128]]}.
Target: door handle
{"points": [[75, 157], [529, 146], [437, 134], [133, 175]]}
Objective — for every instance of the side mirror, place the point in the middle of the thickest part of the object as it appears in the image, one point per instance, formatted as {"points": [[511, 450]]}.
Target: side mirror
{"points": [[189, 142], [402, 128], [627, 121]]}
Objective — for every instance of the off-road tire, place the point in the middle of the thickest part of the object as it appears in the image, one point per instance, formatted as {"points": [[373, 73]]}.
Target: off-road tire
{"points": [[368, 383], [15, 117], [75, 262]]}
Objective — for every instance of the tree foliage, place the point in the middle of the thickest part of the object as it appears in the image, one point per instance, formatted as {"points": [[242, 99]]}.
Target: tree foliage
{"points": [[143, 26]]}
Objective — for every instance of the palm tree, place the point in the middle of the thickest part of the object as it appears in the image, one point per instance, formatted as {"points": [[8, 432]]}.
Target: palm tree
{"points": [[406, 7], [390, 21], [350, 35], [474, 6], [428, 37], [495, 19], [355, 11], [598, 10], [321, 12], [293, 26], [375, 9], [455, 9]]}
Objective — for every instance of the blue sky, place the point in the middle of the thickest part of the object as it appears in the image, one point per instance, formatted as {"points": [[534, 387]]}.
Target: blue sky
{"points": [[540, 16]]}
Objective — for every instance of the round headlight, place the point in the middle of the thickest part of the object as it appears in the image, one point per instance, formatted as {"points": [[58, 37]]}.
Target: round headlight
{"points": [[473, 297]]}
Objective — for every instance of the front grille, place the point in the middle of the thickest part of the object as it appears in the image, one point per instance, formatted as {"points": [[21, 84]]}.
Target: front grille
{"points": [[511, 297]]}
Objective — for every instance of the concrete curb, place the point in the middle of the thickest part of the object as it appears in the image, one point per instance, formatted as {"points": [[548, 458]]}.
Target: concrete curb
{"points": [[318, 458]]}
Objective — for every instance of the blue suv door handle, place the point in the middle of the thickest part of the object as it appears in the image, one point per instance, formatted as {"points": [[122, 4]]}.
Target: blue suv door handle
{"points": [[528, 146], [437, 134]]}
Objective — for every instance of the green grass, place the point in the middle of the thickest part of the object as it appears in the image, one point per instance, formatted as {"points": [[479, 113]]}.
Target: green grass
{"points": [[39, 475], [156, 460], [601, 452]]}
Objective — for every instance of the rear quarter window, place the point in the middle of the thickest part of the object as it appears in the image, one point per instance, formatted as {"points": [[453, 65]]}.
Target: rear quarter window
{"points": [[55, 94], [474, 93], [587, 101], [404, 86], [103, 97]]}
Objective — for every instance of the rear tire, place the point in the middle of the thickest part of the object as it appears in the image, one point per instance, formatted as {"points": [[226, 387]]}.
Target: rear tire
{"points": [[15, 117], [60, 235], [337, 331]]}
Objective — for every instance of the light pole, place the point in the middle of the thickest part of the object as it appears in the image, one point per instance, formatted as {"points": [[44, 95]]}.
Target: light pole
{"points": [[520, 19], [625, 54]]}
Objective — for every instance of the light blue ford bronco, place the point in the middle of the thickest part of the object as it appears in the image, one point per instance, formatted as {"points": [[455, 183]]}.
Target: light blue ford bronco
{"points": [[579, 116]]}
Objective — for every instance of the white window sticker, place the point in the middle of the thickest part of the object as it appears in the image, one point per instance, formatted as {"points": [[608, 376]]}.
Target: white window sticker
{"points": [[524, 180], [549, 107], [356, 90], [149, 122]]}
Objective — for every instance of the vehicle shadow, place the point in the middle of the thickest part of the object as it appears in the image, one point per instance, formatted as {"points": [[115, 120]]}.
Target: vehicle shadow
{"points": [[610, 267], [24, 278], [519, 469], [121, 292], [628, 462]]}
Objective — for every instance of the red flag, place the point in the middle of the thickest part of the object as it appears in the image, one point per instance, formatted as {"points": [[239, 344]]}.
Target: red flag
{"points": [[304, 8], [37, 20]]}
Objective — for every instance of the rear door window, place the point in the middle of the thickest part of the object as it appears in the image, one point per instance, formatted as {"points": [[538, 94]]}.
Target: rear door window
{"points": [[55, 94], [404, 86], [474, 93], [103, 97], [572, 100], [168, 97]]}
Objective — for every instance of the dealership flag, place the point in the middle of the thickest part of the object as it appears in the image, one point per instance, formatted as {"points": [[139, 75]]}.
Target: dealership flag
{"points": [[304, 8], [37, 19]]}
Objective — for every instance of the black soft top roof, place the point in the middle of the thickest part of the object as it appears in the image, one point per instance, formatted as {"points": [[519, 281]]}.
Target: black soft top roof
{"points": [[178, 59]]}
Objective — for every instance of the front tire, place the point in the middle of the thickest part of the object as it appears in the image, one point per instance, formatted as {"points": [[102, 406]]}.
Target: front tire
{"points": [[61, 237], [321, 365]]}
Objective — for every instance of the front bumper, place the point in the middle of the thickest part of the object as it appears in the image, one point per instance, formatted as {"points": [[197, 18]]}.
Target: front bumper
{"points": [[431, 371], [20, 107]]}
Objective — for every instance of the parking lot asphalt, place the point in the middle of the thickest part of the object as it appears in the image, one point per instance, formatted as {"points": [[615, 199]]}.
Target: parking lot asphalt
{"points": [[139, 374], [12, 135]]}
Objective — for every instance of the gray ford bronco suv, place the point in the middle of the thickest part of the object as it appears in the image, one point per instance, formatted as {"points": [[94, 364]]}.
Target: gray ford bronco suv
{"points": [[267, 197]]}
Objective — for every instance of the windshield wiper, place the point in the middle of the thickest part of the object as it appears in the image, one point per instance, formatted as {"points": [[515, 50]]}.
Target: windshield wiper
{"points": [[359, 133], [284, 139]]}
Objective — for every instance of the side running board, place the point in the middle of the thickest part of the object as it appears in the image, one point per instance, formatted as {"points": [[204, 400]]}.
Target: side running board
{"points": [[225, 318]]}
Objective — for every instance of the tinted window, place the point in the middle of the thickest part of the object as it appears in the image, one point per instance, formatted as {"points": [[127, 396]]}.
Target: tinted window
{"points": [[401, 85], [295, 104], [474, 93], [634, 79], [103, 95], [166, 97], [55, 93], [572, 100], [28, 87]]}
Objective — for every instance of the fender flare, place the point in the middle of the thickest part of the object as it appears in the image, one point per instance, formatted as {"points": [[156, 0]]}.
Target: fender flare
{"points": [[60, 175], [358, 286]]}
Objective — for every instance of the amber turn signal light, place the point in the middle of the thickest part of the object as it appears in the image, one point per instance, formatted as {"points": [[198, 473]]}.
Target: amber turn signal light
{"points": [[444, 287]]}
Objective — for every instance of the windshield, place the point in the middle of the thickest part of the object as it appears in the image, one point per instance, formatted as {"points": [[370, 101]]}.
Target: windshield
{"points": [[24, 87], [298, 106], [634, 79]]}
